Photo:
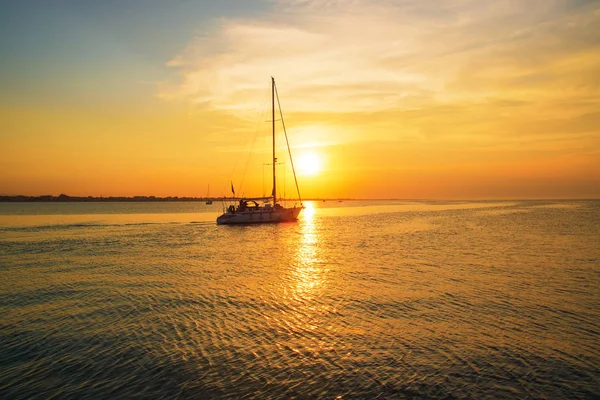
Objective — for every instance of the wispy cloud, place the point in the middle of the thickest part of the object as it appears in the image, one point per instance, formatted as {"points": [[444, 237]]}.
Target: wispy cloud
{"points": [[373, 55]]}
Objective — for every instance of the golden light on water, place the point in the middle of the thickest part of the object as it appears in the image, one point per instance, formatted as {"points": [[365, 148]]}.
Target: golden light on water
{"points": [[308, 213], [308, 274]]}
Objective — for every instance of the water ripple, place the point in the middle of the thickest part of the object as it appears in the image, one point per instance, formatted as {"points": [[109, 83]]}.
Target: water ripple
{"points": [[445, 302]]}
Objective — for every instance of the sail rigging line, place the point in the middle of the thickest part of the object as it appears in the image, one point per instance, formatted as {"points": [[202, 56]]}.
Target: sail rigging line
{"points": [[273, 124], [287, 142], [257, 129], [261, 111]]}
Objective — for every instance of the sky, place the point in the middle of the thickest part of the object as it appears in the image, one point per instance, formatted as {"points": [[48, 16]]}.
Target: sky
{"points": [[410, 99]]}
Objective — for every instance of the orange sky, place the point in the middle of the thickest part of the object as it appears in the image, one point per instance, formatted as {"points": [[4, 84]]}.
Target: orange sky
{"points": [[393, 99]]}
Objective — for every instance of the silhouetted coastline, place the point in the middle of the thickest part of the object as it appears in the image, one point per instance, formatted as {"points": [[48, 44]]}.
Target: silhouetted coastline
{"points": [[66, 198]]}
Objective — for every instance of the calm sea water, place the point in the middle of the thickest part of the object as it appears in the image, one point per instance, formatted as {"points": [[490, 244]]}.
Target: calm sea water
{"points": [[356, 300]]}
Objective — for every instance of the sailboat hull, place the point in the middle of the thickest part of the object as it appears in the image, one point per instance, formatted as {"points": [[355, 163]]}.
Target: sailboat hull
{"points": [[265, 216]]}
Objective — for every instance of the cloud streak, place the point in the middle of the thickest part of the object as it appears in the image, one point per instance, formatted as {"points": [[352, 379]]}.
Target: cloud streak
{"points": [[367, 55]]}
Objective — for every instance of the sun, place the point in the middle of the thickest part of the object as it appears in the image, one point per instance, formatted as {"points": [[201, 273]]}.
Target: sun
{"points": [[308, 164]]}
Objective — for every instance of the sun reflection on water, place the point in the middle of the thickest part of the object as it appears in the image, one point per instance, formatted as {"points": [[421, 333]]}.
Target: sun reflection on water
{"points": [[308, 273]]}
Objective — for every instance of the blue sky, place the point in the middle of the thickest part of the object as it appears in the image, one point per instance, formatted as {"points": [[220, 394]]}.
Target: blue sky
{"points": [[63, 49]]}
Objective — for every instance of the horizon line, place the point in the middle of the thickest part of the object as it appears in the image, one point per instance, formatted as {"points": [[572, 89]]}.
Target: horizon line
{"points": [[142, 198]]}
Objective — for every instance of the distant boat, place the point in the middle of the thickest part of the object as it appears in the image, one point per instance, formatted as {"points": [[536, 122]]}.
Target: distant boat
{"points": [[249, 211], [208, 201]]}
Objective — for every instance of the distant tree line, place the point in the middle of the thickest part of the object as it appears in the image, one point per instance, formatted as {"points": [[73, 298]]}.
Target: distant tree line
{"points": [[66, 198]]}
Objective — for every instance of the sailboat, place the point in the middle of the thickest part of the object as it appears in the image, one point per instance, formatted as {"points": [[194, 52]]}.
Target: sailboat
{"points": [[208, 201], [249, 211]]}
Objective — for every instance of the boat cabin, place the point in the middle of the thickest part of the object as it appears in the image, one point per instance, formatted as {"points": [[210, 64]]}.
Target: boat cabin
{"points": [[248, 205]]}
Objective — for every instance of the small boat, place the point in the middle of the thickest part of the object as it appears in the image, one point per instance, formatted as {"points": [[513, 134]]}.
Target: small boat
{"points": [[249, 211], [208, 201]]}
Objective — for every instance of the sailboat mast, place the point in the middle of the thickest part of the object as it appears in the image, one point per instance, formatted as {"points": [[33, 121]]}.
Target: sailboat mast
{"points": [[273, 126]]}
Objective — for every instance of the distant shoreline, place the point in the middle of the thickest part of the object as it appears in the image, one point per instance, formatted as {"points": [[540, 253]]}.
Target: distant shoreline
{"points": [[65, 198]]}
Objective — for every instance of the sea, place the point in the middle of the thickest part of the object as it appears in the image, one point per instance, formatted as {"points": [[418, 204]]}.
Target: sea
{"points": [[356, 300]]}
